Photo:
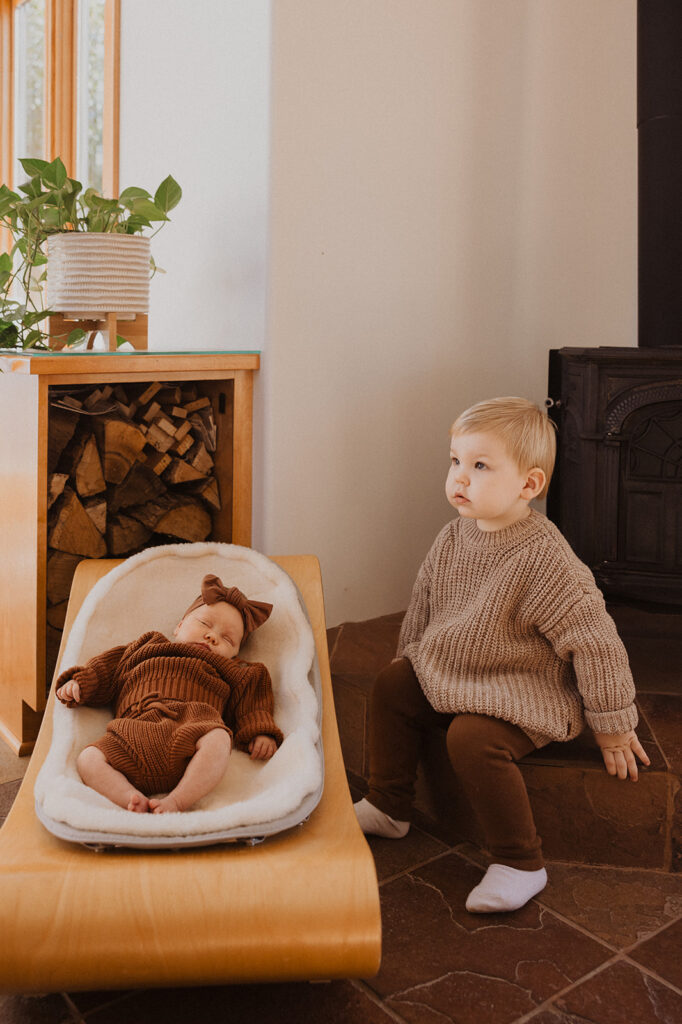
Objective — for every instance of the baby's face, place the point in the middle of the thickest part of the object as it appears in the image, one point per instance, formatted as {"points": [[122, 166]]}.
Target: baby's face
{"points": [[218, 627]]}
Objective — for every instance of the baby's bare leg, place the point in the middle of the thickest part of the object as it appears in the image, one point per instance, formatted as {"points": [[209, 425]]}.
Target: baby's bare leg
{"points": [[203, 773], [97, 773]]}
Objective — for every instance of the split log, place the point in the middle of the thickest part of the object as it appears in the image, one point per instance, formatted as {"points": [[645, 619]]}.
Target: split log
{"points": [[56, 614], [200, 459], [157, 461], [93, 398], [60, 569], [141, 484], [122, 445], [208, 490], [204, 425], [165, 424], [189, 522], [149, 393], [200, 403], [184, 445], [97, 510], [73, 530], [169, 395], [73, 452], [125, 534], [181, 472], [152, 511], [159, 439], [151, 411], [89, 476], [55, 485], [127, 411], [62, 425]]}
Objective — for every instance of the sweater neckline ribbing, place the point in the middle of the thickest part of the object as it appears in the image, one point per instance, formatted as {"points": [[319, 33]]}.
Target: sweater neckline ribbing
{"points": [[492, 539]]}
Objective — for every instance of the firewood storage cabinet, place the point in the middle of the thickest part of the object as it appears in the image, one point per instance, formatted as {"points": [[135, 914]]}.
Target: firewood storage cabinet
{"points": [[26, 385]]}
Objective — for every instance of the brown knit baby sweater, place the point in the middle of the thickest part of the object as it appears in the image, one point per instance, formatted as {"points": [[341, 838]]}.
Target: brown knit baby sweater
{"points": [[152, 668], [510, 624]]}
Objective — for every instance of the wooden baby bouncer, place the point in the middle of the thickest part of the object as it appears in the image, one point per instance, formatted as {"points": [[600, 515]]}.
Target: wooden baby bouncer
{"points": [[303, 905]]}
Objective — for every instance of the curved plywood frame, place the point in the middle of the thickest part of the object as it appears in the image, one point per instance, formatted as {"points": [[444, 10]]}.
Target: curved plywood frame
{"points": [[303, 905]]}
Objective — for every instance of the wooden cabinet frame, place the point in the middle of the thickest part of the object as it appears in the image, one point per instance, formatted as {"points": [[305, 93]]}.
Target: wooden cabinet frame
{"points": [[24, 420]]}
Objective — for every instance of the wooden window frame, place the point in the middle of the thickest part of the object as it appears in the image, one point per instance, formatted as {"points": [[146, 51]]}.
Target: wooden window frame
{"points": [[61, 77]]}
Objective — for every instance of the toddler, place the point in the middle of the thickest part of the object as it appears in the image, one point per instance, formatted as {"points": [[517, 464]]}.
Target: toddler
{"points": [[177, 704], [507, 643]]}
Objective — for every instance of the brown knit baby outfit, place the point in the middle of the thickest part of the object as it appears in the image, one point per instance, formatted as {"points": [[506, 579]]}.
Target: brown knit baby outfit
{"points": [[510, 624], [166, 696]]}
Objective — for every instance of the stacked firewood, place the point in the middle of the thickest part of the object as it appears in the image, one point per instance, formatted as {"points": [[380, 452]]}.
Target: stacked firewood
{"points": [[128, 467]]}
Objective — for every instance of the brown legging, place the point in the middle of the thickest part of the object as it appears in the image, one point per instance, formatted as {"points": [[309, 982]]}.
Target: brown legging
{"points": [[483, 752]]}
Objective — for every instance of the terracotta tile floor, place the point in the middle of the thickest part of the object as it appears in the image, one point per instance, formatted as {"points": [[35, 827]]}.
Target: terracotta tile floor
{"points": [[601, 945]]}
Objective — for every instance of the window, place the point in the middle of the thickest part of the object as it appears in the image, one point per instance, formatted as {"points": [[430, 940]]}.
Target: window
{"points": [[28, 95], [59, 87], [90, 93]]}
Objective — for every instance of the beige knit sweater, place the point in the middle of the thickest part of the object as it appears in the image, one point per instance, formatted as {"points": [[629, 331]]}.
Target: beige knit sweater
{"points": [[511, 624]]}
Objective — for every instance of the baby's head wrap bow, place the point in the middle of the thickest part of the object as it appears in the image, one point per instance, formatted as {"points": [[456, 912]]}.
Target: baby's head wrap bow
{"points": [[254, 613]]}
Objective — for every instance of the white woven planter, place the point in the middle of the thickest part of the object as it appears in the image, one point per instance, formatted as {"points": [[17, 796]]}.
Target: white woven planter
{"points": [[92, 272]]}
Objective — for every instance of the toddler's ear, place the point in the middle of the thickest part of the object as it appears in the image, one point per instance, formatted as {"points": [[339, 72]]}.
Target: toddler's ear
{"points": [[535, 482]]}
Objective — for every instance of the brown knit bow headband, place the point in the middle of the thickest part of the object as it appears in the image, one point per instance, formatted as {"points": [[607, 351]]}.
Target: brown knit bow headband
{"points": [[254, 613]]}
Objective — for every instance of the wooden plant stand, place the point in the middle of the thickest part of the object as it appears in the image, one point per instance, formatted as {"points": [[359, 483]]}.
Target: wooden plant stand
{"points": [[26, 384], [109, 325]]}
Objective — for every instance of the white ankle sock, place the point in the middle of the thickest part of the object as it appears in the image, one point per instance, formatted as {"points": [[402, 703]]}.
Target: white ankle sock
{"points": [[374, 822], [505, 888]]}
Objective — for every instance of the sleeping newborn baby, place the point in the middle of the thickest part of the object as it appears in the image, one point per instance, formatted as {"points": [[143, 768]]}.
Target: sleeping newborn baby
{"points": [[178, 705]]}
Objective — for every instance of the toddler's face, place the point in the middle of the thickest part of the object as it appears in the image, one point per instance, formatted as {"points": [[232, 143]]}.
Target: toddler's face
{"points": [[484, 482], [219, 627]]}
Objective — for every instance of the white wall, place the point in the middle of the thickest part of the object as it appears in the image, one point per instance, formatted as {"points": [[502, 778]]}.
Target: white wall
{"points": [[195, 104], [452, 192]]}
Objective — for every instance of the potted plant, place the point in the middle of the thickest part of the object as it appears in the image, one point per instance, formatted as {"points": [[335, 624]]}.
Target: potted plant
{"points": [[56, 227]]}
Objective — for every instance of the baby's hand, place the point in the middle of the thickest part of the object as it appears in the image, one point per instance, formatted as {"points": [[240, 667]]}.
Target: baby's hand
{"points": [[618, 750], [70, 692], [262, 748]]}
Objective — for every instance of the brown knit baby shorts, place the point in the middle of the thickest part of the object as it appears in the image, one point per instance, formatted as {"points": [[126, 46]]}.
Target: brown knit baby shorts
{"points": [[154, 749]]}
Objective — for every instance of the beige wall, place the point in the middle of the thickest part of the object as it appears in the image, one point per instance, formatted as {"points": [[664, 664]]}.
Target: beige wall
{"points": [[405, 204], [452, 194]]}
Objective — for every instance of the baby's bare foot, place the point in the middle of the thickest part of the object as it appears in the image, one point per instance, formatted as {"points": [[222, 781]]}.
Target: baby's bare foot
{"points": [[138, 803], [167, 804]]}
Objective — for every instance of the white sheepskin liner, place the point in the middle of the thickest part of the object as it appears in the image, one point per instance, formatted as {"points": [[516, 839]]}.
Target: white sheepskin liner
{"points": [[151, 590]]}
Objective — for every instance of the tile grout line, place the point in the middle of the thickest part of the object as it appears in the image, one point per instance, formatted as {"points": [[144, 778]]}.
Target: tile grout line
{"points": [[642, 712], [652, 935], [551, 1001], [368, 991], [73, 1009], [652, 974], [414, 867], [581, 929]]}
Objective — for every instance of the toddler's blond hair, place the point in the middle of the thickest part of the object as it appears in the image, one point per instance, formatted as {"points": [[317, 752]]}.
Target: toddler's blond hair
{"points": [[525, 430]]}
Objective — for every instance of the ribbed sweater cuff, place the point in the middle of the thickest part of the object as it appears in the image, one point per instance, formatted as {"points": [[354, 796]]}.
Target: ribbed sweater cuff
{"points": [[258, 723], [612, 721], [86, 679]]}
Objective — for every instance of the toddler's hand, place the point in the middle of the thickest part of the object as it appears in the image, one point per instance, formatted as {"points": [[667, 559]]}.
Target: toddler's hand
{"points": [[262, 748], [618, 750], [70, 692]]}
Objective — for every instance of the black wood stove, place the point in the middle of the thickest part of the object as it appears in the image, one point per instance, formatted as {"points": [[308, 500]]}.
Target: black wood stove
{"points": [[617, 491]]}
